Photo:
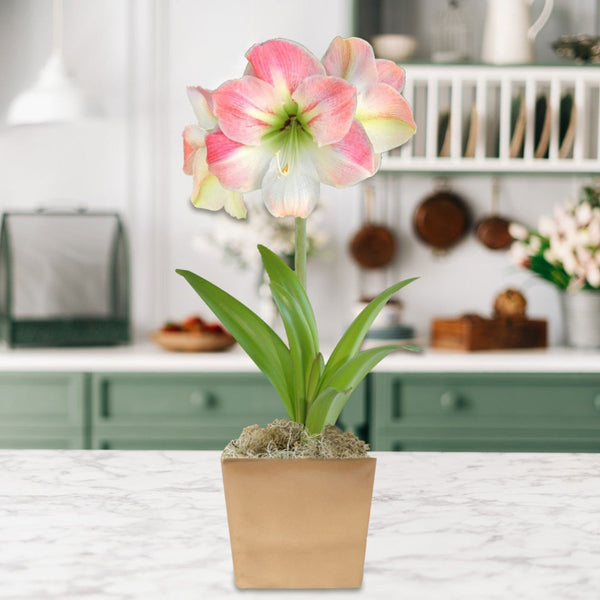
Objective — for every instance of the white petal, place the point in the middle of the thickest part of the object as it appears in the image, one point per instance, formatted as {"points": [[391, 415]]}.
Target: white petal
{"points": [[291, 193]]}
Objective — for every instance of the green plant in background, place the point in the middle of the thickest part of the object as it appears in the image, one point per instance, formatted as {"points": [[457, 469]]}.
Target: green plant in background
{"points": [[289, 124]]}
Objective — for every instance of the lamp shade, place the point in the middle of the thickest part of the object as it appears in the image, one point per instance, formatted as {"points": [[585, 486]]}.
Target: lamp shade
{"points": [[54, 98]]}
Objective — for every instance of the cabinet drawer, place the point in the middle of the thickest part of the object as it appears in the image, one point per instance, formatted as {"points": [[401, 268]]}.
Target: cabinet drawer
{"points": [[488, 400], [42, 399], [163, 399]]}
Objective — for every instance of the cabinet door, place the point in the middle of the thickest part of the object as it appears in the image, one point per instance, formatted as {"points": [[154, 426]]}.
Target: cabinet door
{"points": [[42, 410], [496, 412], [187, 411]]}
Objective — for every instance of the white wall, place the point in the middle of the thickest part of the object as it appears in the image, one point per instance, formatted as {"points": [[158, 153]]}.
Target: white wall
{"points": [[135, 59]]}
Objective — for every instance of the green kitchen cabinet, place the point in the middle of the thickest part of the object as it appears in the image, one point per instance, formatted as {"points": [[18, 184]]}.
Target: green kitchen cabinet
{"points": [[186, 411], [42, 410], [485, 412]]}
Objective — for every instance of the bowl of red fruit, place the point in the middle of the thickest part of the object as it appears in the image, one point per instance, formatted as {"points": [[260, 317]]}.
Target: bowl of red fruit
{"points": [[193, 335]]}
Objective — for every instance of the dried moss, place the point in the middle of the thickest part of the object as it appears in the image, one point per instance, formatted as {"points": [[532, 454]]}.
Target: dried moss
{"points": [[287, 439]]}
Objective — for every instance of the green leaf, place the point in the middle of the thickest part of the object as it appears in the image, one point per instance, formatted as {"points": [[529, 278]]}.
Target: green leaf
{"points": [[326, 409], [280, 272], [314, 376], [300, 347], [259, 341], [410, 348], [350, 342], [328, 405], [354, 370]]}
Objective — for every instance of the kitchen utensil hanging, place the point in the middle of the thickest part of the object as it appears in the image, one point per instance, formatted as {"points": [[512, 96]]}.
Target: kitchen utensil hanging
{"points": [[373, 246], [492, 230], [441, 219]]}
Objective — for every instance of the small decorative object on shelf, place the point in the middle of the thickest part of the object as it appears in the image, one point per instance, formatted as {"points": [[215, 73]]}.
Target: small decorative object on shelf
{"points": [[581, 48], [509, 327], [451, 35], [565, 250], [508, 34], [290, 123]]}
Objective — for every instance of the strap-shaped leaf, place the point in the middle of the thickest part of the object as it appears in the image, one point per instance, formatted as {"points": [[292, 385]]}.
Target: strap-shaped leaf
{"points": [[350, 342], [281, 273], [300, 345], [353, 371], [326, 409], [314, 376], [259, 341]]}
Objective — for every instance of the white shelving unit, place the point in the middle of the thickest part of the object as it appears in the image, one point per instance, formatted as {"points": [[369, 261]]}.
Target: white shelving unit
{"points": [[501, 142]]}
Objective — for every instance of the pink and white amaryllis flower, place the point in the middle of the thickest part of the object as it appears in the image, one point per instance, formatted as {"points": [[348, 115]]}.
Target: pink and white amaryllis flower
{"points": [[286, 127], [381, 109], [207, 191]]}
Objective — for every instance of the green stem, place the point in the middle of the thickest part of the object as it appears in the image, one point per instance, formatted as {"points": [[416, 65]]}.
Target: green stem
{"points": [[300, 250]]}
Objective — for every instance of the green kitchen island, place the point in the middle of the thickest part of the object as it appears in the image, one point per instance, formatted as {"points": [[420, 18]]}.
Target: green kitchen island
{"points": [[141, 397]]}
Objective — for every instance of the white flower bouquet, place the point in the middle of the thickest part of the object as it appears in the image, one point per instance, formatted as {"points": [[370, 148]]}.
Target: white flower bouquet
{"points": [[565, 250]]}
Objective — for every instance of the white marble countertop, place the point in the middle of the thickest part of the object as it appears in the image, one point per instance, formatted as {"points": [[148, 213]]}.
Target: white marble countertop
{"points": [[150, 358], [151, 525]]}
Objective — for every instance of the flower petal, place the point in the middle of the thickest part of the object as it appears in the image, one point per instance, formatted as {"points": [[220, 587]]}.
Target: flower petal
{"points": [[284, 64], [389, 72], [201, 101], [326, 107], [247, 109], [349, 161], [238, 167], [293, 193], [193, 138], [386, 117], [213, 196], [351, 59]]}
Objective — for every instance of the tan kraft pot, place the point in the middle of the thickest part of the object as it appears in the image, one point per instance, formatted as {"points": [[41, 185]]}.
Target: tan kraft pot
{"points": [[298, 523]]}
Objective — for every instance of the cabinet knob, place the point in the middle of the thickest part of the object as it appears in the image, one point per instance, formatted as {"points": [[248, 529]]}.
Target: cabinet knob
{"points": [[449, 401], [596, 402], [203, 400]]}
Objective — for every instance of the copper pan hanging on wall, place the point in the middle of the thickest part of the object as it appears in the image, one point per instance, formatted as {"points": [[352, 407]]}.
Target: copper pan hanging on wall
{"points": [[441, 219]]}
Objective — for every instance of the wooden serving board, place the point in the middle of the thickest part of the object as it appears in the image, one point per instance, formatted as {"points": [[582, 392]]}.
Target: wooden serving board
{"points": [[472, 332]]}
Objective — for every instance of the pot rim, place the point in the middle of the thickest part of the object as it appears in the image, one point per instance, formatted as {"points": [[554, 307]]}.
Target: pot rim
{"points": [[303, 459]]}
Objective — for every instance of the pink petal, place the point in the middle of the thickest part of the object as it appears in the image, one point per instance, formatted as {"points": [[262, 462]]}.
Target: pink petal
{"points": [[283, 63], [201, 101], [294, 193], [389, 72], [326, 107], [246, 109], [351, 59], [238, 167], [349, 161], [386, 117], [193, 138]]}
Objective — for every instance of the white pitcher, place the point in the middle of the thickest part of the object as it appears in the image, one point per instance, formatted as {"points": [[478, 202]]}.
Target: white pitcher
{"points": [[508, 36]]}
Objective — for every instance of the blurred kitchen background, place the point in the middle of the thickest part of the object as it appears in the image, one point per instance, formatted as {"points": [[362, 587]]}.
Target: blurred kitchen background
{"points": [[133, 60]]}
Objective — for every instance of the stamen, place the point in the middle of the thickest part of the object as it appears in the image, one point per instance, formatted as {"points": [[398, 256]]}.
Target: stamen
{"points": [[282, 170]]}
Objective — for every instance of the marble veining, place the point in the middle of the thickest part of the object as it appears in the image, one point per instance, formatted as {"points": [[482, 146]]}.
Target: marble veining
{"points": [[151, 525]]}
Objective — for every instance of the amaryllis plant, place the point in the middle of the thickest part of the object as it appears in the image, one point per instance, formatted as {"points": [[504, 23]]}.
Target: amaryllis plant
{"points": [[289, 124], [565, 249]]}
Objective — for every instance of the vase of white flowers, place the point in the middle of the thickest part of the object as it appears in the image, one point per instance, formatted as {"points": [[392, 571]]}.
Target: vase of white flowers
{"points": [[565, 250]]}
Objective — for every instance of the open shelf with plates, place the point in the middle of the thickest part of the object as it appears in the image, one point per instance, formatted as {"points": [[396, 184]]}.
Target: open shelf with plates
{"points": [[501, 119]]}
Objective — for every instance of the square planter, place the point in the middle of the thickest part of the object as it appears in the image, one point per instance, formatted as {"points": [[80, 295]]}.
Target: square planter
{"points": [[298, 523]]}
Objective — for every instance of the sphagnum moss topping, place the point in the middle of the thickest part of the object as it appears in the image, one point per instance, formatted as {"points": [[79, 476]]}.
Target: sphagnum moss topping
{"points": [[288, 439]]}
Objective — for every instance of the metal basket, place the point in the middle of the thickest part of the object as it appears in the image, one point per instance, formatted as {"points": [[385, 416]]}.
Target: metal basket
{"points": [[64, 279]]}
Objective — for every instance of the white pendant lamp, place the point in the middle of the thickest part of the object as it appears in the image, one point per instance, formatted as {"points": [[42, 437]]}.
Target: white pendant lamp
{"points": [[54, 98]]}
